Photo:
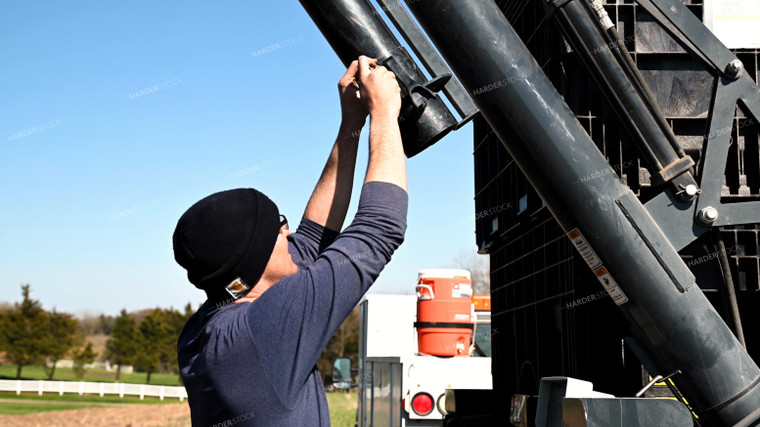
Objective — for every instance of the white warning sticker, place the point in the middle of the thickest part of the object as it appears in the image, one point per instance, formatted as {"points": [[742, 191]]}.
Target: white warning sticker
{"points": [[586, 251], [611, 286], [461, 290]]}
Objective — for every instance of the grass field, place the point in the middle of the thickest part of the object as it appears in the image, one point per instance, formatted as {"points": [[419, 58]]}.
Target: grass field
{"points": [[30, 403], [32, 372], [342, 408], [21, 407]]}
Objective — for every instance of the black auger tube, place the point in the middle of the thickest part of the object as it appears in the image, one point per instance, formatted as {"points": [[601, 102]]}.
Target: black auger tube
{"points": [[655, 291], [353, 28]]}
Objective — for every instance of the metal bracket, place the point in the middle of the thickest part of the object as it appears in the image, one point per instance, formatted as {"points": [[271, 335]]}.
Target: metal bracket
{"points": [[684, 26], [418, 94], [430, 59], [678, 220]]}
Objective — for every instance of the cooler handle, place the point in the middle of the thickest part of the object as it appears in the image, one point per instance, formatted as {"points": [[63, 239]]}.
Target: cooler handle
{"points": [[424, 297]]}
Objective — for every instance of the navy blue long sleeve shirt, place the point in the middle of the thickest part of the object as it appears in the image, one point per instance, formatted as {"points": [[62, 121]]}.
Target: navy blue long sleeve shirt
{"points": [[255, 363]]}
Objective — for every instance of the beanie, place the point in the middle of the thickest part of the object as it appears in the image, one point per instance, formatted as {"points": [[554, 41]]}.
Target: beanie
{"points": [[225, 240]]}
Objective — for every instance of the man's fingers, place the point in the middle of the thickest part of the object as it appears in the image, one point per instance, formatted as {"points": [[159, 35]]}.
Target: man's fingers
{"points": [[363, 67], [350, 76], [352, 69]]}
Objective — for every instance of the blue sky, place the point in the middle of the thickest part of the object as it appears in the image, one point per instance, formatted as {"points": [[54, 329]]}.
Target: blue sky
{"points": [[115, 117]]}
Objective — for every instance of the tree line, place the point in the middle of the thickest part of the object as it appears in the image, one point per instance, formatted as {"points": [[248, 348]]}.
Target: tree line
{"points": [[146, 340], [30, 335]]}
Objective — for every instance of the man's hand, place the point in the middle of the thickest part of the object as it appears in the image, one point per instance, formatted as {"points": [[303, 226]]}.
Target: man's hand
{"points": [[381, 94], [353, 110], [379, 89]]}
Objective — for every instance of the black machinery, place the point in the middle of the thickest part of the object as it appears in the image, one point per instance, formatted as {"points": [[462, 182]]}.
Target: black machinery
{"points": [[632, 248]]}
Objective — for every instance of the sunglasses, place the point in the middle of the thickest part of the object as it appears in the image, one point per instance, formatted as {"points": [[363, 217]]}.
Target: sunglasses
{"points": [[284, 222]]}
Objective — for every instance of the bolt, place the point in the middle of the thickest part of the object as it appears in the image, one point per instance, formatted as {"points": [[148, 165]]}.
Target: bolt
{"points": [[734, 68], [707, 215], [688, 192]]}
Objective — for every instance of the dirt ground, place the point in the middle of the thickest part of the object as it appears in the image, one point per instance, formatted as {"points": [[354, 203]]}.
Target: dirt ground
{"points": [[169, 415]]}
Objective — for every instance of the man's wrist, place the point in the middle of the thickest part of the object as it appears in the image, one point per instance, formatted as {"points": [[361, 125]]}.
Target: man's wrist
{"points": [[351, 127], [383, 117]]}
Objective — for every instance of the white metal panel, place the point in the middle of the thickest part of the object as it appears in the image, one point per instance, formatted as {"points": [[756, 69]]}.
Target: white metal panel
{"points": [[734, 22], [434, 375], [390, 325]]}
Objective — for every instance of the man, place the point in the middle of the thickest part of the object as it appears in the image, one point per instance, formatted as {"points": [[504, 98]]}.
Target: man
{"points": [[275, 298]]}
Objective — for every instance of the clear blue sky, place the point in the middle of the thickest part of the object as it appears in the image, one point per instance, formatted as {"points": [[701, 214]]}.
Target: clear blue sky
{"points": [[97, 167]]}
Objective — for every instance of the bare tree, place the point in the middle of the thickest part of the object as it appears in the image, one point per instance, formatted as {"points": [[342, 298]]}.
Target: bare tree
{"points": [[479, 268]]}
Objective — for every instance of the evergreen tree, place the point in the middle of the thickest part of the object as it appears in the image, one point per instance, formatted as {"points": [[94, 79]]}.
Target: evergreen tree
{"points": [[188, 311], [105, 323], [153, 330], [24, 332], [121, 348], [59, 339], [159, 331], [82, 357]]}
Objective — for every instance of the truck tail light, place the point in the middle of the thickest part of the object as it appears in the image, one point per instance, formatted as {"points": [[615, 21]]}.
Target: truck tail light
{"points": [[422, 404]]}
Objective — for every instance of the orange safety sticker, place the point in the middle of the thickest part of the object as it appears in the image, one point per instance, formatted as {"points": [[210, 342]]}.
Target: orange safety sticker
{"points": [[583, 247], [617, 294]]}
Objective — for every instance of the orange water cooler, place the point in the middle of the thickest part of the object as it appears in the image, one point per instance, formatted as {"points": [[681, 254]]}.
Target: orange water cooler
{"points": [[444, 312]]}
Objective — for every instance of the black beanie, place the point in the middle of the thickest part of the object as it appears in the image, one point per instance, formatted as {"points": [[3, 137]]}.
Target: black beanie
{"points": [[225, 241]]}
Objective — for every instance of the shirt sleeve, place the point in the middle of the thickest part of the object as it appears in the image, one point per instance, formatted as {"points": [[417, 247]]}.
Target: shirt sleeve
{"points": [[308, 241], [292, 321]]}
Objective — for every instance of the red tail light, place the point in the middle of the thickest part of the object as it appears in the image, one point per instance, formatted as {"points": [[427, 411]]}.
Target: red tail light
{"points": [[422, 404]]}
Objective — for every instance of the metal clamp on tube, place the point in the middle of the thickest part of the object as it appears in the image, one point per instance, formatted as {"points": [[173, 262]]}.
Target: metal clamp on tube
{"points": [[414, 96], [354, 28]]}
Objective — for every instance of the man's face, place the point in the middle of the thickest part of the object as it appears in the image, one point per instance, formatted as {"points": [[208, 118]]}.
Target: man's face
{"points": [[281, 262]]}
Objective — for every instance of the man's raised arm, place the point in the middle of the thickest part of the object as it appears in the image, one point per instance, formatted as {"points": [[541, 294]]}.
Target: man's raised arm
{"points": [[381, 93], [329, 201]]}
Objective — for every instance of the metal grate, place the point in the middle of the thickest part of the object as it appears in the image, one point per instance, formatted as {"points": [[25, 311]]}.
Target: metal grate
{"points": [[554, 319]]}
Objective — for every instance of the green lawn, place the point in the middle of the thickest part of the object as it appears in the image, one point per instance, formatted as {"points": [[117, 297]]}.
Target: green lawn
{"points": [[21, 408], [342, 408], [29, 403], [32, 372]]}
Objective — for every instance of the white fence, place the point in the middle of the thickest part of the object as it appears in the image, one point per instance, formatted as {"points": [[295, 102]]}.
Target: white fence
{"points": [[67, 363], [81, 387]]}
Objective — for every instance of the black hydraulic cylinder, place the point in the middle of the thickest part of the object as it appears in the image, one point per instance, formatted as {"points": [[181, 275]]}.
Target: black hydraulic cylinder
{"points": [[354, 28], [617, 237], [639, 115]]}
